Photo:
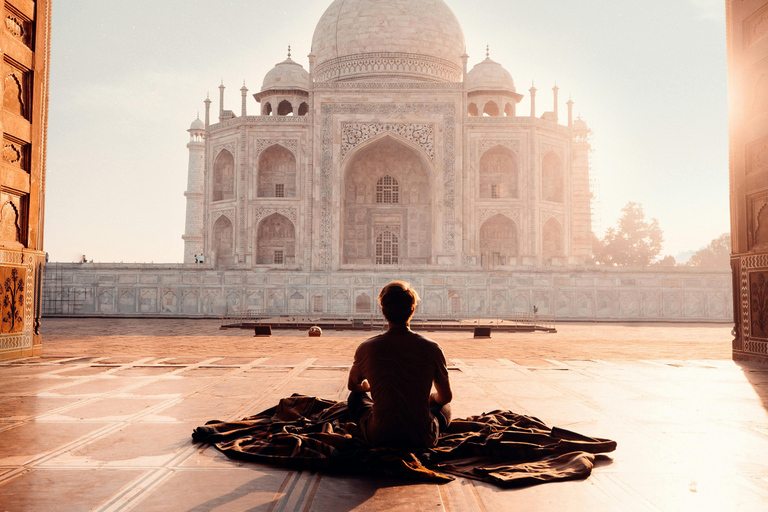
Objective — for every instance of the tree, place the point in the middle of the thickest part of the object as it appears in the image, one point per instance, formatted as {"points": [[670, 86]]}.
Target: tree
{"points": [[666, 261], [634, 242], [716, 254]]}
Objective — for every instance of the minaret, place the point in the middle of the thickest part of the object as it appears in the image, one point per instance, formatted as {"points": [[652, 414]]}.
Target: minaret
{"points": [[244, 91], [193, 228], [554, 90], [532, 90], [207, 111], [221, 101], [570, 112]]}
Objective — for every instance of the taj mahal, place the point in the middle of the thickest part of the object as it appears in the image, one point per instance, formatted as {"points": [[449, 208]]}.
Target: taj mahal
{"points": [[389, 156], [388, 151]]}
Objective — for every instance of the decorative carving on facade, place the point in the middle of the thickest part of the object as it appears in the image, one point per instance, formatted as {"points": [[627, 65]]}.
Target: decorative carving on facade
{"points": [[229, 146], [757, 155], [229, 213], [384, 85], [377, 230], [10, 228], [558, 216], [262, 213], [754, 297], [15, 154], [291, 145], [13, 311], [756, 26], [249, 120], [353, 134], [759, 228], [512, 213], [18, 26], [393, 65], [546, 148], [485, 145], [447, 205]]}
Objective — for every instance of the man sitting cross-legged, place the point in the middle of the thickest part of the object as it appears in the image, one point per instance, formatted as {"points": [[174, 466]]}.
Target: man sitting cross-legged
{"points": [[399, 368]]}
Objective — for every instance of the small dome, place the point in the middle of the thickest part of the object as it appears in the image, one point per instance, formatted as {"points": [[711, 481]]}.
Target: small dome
{"points": [[197, 124], [393, 39], [580, 125], [490, 76], [286, 75]]}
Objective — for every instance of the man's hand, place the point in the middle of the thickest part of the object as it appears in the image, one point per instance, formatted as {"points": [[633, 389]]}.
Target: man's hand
{"points": [[363, 386]]}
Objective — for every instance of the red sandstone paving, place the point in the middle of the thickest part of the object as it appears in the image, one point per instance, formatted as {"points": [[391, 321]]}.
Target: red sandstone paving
{"points": [[70, 337]]}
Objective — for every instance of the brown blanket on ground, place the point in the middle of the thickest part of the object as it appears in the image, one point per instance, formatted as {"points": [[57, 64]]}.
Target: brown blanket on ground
{"points": [[501, 447]]}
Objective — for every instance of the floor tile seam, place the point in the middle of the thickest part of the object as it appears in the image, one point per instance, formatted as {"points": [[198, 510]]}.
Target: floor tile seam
{"points": [[635, 495], [118, 391], [458, 490], [253, 403], [134, 492], [600, 478], [298, 501], [522, 369], [12, 475]]}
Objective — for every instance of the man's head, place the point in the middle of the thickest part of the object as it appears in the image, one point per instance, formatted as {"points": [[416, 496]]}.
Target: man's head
{"points": [[398, 300]]}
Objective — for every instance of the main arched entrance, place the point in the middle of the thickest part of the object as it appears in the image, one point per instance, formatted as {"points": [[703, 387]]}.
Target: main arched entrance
{"points": [[387, 206]]}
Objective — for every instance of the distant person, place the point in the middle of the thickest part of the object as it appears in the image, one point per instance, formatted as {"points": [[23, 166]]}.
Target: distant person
{"points": [[399, 368], [195, 259], [85, 260], [202, 259]]}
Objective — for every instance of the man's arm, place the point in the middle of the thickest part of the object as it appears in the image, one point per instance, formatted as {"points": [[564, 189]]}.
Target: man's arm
{"points": [[443, 394], [356, 381]]}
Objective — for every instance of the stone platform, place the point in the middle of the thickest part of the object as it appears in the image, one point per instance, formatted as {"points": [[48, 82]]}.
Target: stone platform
{"points": [[106, 426]]}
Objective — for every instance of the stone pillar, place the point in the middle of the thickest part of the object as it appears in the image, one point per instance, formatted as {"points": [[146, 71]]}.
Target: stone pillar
{"points": [[243, 109], [207, 111], [532, 90], [193, 227], [554, 109], [748, 129], [221, 101], [570, 113]]}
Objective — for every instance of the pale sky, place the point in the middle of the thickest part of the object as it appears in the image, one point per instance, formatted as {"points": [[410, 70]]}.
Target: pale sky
{"points": [[128, 78]]}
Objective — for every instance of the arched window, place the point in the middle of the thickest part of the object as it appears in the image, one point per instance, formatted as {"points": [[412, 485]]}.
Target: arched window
{"points": [[276, 243], [224, 177], [277, 173], [491, 109], [303, 109], [509, 110], [552, 178], [498, 241], [266, 109], [363, 303], [285, 108], [498, 174], [552, 239], [223, 243], [387, 190], [387, 248], [472, 110]]}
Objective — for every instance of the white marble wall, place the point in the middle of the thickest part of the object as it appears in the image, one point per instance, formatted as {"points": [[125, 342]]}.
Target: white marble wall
{"points": [[676, 294]]}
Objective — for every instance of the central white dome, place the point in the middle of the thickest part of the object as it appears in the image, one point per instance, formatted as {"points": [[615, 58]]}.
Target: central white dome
{"points": [[388, 40]]}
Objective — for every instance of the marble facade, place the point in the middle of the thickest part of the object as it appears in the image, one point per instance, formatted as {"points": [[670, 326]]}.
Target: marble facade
{"points": [[388, 150], [670, 295]]}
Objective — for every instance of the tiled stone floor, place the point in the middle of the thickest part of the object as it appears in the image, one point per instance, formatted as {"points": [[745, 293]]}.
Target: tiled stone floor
{"points": [[112, 433]]}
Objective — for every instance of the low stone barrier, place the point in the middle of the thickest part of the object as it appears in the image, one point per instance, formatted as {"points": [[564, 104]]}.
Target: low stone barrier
{"points": [[676, 294]]}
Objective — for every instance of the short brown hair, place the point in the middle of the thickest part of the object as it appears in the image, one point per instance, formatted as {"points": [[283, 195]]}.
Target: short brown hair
{"points": [[398, 301]]}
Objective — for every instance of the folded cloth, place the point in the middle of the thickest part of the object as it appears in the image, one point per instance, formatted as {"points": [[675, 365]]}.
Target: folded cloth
{"points": [[500, 447]]}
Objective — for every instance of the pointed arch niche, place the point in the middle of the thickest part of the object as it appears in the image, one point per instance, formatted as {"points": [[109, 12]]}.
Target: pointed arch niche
{"points": [[224, 177], [552, 239], [223, 243], [386, 160], [499, 174], [276, 241], [277, 172], [498, 241], [552, 182]]}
